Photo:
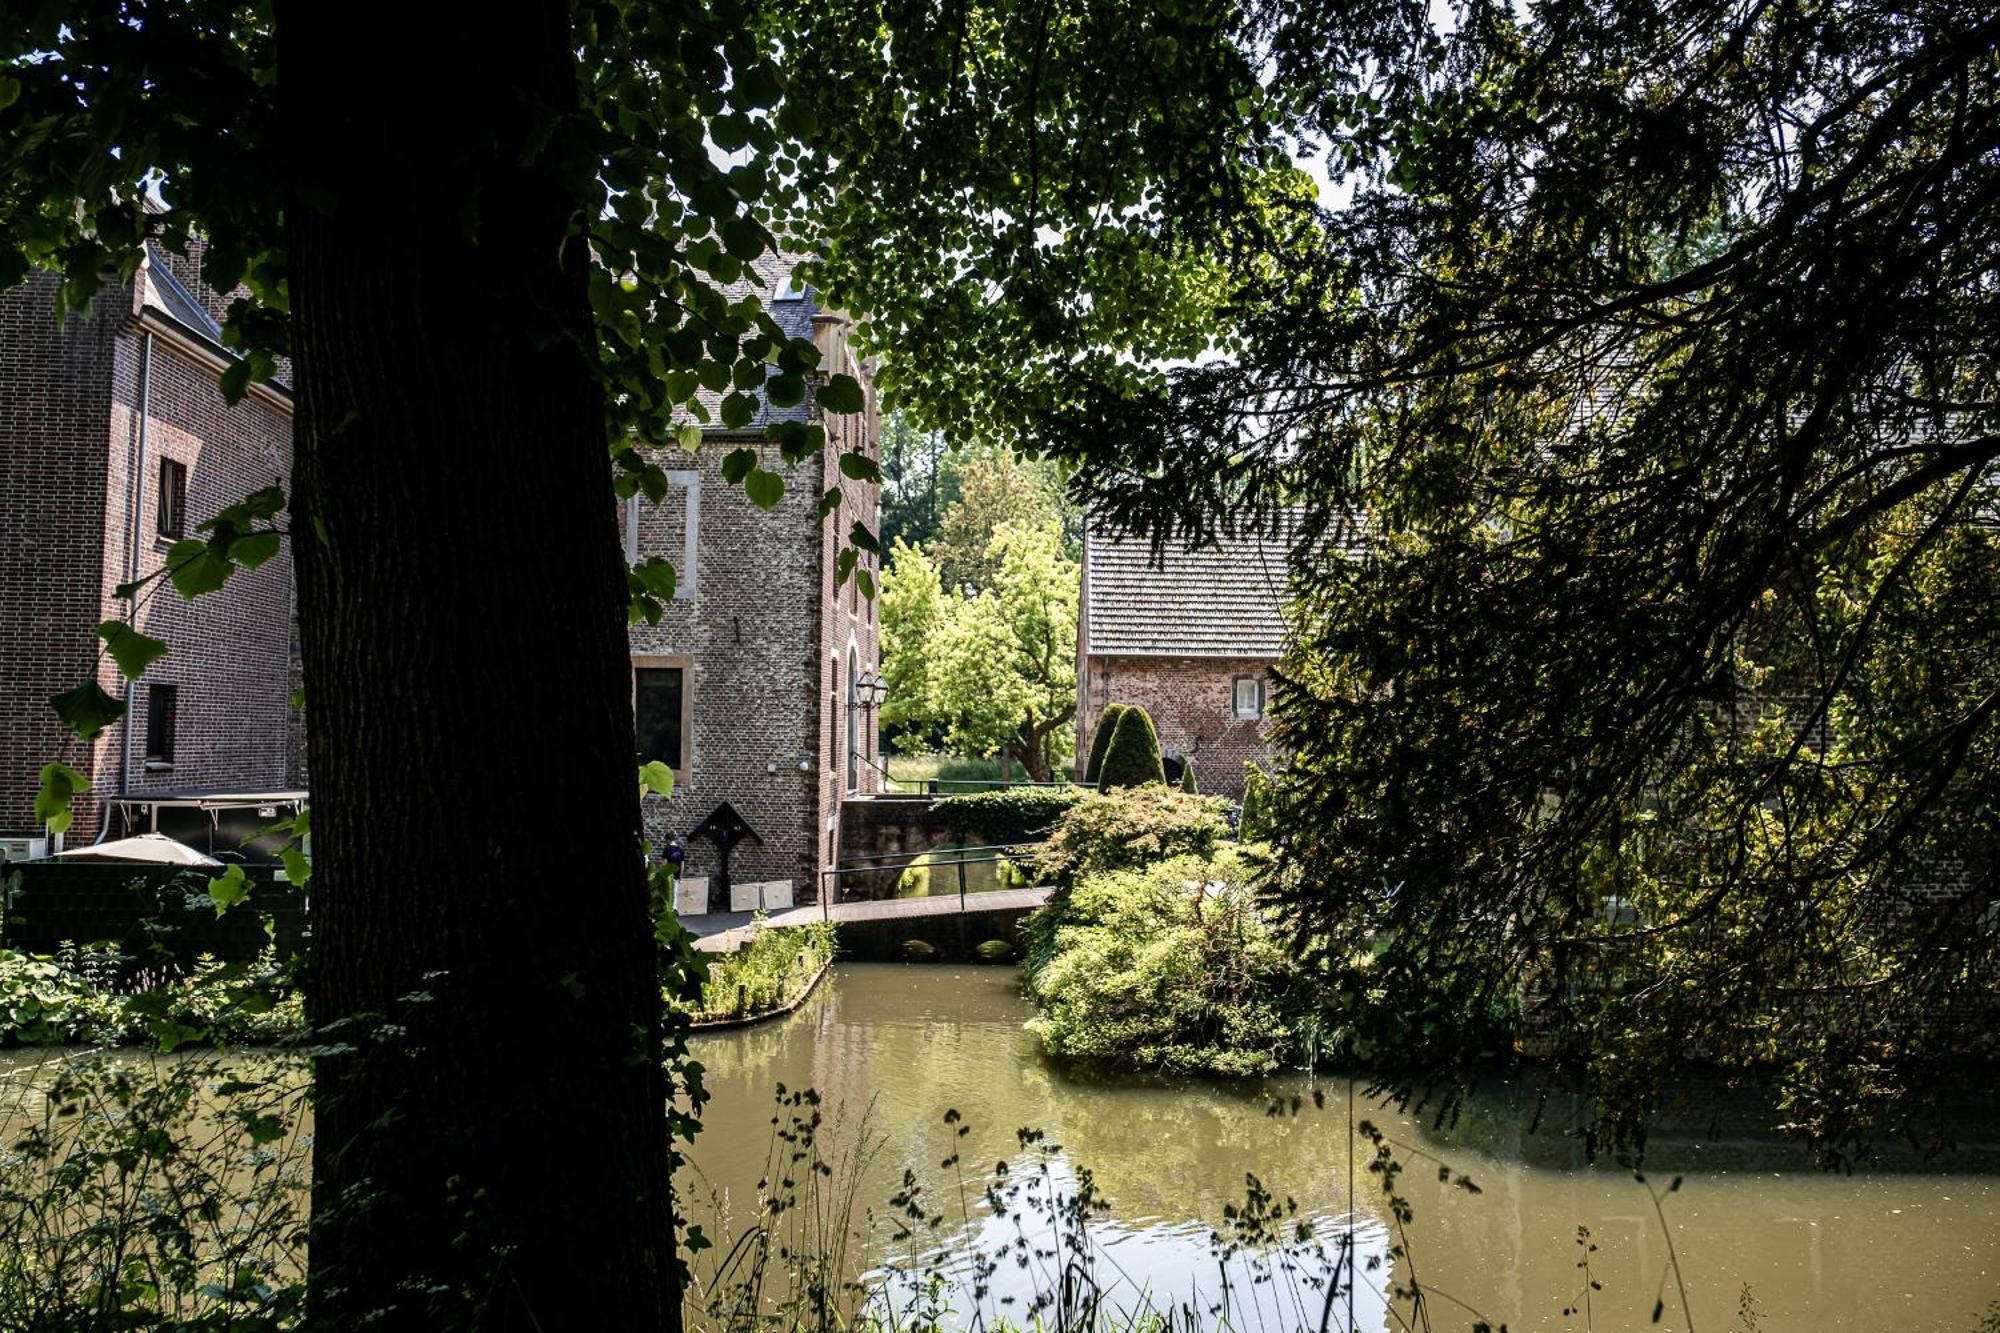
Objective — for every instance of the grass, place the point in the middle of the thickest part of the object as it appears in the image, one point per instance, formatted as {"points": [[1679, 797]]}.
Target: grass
{"points": [[770, 973], [912, 772]]}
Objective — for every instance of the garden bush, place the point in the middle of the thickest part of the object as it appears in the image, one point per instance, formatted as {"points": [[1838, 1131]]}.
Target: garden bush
{"points": [[1132, 759], [1130, 827], [1100, 738], [1172, 967], [770, 972], [1017, 814], [1187, 778], [1253, 824], [76, 995]]}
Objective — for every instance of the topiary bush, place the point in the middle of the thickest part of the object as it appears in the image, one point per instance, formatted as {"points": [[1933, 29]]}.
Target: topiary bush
{"points": [[1015, 814], [1187, 777], [1132, 759], [1100, 737]]}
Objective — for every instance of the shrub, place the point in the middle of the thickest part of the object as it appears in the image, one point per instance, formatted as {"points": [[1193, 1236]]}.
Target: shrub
{"points": [[1252, 824], [1132, 759], [1133, 826], [1016, 814], [74, 995], [1187, 778], [763, 976], [1100, 738], [1171, 967]]}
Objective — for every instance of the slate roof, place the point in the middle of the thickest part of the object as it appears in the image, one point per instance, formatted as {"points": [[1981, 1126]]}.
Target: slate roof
{"points": [[794, 314], [178, 301]]}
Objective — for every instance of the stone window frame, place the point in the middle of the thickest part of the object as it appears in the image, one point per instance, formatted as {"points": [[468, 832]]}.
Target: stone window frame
{"points": [[683, 663], [686, 569], [1236, 684]]}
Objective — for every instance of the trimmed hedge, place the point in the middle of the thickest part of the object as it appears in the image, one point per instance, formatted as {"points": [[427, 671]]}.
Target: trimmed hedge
{"points": [[1100, 739], [1132, 759], [1187, 778], [1015, 814]]}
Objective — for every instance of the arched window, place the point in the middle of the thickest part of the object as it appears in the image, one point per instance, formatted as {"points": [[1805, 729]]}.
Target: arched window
{"points": [[853, 720]]}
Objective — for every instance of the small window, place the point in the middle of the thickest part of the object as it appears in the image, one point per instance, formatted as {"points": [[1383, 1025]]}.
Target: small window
{"points": [[162, 703], [658, 698], [1248, 692], [173, 498]]}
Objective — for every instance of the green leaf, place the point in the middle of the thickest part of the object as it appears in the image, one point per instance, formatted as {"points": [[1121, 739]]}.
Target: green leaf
{"points": [[737, 465], [10, 92], [843, 564], [862, 537], [87, 709], [860, 467], [688, 436], [297, 869], [785, 390], [743, 238], [235, 382], [254, 549], [738, 409], [58, 783], [656, 576], [841, 393], [765, 489], [228, 889], [196, 568], [829, 502], [131, 650], [655, 776], [866, 582]]}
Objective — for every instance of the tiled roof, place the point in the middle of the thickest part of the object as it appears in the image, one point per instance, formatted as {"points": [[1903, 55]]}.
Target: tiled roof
{"points": [[1224, 601]]}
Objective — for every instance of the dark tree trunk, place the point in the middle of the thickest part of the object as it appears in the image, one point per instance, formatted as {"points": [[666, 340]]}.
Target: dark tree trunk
{"points": [[1031, 744], [491, 1149]]}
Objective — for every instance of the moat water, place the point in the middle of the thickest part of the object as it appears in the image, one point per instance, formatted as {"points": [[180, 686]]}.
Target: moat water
{"points": [[1756, 1235], [1753, 1227]]}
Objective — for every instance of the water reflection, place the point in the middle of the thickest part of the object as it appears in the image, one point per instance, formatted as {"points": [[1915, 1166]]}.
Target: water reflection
{"points": [[891, 1048]]}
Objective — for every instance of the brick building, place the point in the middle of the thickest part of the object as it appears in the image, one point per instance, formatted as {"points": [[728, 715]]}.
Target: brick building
{"points": [[1190, 636], [114, 443], [753, 686]]}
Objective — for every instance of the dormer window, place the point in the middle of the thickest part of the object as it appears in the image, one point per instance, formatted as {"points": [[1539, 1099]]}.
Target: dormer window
{"points": [[788, 287]]}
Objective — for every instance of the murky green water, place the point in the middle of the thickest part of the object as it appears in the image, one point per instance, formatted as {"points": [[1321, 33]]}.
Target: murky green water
{"points": [[891, 1048]]}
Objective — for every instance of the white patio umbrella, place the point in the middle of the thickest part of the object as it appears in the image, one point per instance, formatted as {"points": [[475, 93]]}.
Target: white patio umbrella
{"points": [[145, 849]]}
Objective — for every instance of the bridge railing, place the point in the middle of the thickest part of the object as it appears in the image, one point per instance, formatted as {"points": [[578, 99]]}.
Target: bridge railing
{"points": [[832, 878]]}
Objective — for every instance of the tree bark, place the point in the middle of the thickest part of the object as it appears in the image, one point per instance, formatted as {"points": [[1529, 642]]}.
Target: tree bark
{"points": [[490, 1148]]}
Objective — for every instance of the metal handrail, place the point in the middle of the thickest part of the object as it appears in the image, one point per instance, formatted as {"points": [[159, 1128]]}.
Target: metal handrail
{"points": [[1003, 851]]}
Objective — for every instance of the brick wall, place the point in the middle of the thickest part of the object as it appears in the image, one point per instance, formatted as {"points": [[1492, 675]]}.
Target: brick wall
{"points": [[1190, 702], [69, 441], [55, 446], [762, 635]]}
